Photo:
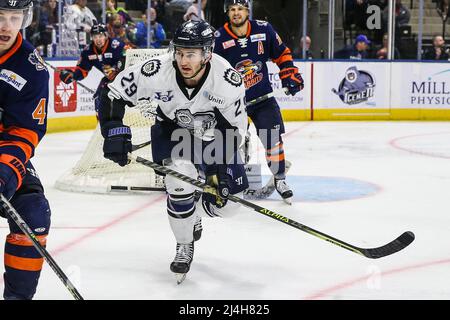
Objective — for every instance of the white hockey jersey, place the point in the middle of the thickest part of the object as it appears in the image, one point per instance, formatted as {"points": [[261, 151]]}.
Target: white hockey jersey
{"points": [[156, 80]]}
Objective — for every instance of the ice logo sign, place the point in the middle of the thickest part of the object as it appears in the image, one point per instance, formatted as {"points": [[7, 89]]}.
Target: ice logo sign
{"points": [[357, 86]]}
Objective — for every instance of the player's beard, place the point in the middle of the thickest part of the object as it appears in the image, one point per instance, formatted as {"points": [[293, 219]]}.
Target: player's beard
{"points": [[238, 25]]}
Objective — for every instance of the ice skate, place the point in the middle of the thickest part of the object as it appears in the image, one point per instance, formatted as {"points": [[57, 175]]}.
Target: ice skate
{"points": [[284, 190], [182, 262]]}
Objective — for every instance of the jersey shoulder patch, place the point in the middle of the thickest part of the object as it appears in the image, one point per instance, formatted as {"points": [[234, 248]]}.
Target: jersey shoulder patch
{"points": [[262, 23], [115, 43], [35, 59], [233, 77], [151, 67]]}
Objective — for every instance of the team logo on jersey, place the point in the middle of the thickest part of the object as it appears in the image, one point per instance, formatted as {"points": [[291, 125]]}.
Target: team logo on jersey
{"points": [[197, 123], [12, 79], [35, 59], [164, 97], [108, 55], [115, 43], [228, 44], [242, 42], [90, 57], [258, 37], [151, 67], [357, 86], [233, 77], [261, 23], [250, 72]]}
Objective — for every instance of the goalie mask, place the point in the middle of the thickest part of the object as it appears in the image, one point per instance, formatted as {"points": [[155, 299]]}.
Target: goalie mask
{"points": [[23, 6]]}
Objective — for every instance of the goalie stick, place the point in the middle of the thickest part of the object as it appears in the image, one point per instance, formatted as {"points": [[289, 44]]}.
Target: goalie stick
{"points": [[15, 216], [404, 240]]}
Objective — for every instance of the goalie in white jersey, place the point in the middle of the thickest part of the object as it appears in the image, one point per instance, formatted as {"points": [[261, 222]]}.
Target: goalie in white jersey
{"points": [[200, 103]]}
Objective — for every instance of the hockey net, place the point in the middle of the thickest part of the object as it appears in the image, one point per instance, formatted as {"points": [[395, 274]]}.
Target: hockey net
{"points": [[95, 174]]}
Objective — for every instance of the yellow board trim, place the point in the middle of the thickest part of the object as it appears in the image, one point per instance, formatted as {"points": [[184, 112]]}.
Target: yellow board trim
{"points": [[71, 124], [368, 114], [90, 122], [296, 114]]}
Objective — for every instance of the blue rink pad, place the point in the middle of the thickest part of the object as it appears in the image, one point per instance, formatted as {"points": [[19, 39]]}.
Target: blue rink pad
{"points": [[323, 189]]}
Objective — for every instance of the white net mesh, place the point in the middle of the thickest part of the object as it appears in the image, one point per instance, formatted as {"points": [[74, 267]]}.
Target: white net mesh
{"points": [[95, 174]]}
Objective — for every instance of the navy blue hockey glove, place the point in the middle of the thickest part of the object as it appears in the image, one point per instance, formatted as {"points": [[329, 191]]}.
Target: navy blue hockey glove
{"points": [[220, 183], [291, 80], [117, 143], [8, 182], [66, 76]]}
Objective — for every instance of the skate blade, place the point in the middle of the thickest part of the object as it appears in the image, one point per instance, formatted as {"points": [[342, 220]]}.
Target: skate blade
{"points": [[180, 277]]}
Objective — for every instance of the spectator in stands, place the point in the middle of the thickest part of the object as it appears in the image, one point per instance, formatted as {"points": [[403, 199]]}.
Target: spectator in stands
{"points": [[138, 5], [79, 17], [192, 12], [402, 15], [356, 13], [307, 42], [123, 32], [160, 7], [157, 33], [48, 20], [49, 13], [438, 52], [357, 51], [383, 51], [111, 8], [32, 32], [443, 9]]}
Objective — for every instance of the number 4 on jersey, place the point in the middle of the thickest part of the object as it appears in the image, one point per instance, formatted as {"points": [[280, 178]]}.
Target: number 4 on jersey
{"points": [[39, 113]]}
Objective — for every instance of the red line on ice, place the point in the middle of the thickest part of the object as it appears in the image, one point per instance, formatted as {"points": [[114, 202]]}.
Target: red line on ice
{"points": [[103, 227], [394, 143], [322, 293]]}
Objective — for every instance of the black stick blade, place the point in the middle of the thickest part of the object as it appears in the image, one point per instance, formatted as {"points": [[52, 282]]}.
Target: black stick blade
{"points": [[392, 247]]}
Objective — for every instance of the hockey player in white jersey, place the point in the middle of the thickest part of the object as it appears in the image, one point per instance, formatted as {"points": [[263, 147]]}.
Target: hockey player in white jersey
{"points": [[201, 121]]}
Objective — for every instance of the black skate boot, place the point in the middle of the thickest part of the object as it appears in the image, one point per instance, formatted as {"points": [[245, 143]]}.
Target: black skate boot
{"points": [[182, 262], [284, 190]]}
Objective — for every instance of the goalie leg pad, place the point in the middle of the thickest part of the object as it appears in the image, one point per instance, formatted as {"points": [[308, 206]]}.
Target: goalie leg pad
{"points": [[180, 201]]}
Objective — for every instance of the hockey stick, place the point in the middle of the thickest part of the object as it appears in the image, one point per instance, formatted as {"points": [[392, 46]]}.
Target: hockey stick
{"points": [[394, 246], [135, 147], [131, 188], [15, 216], [79, 83]]}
